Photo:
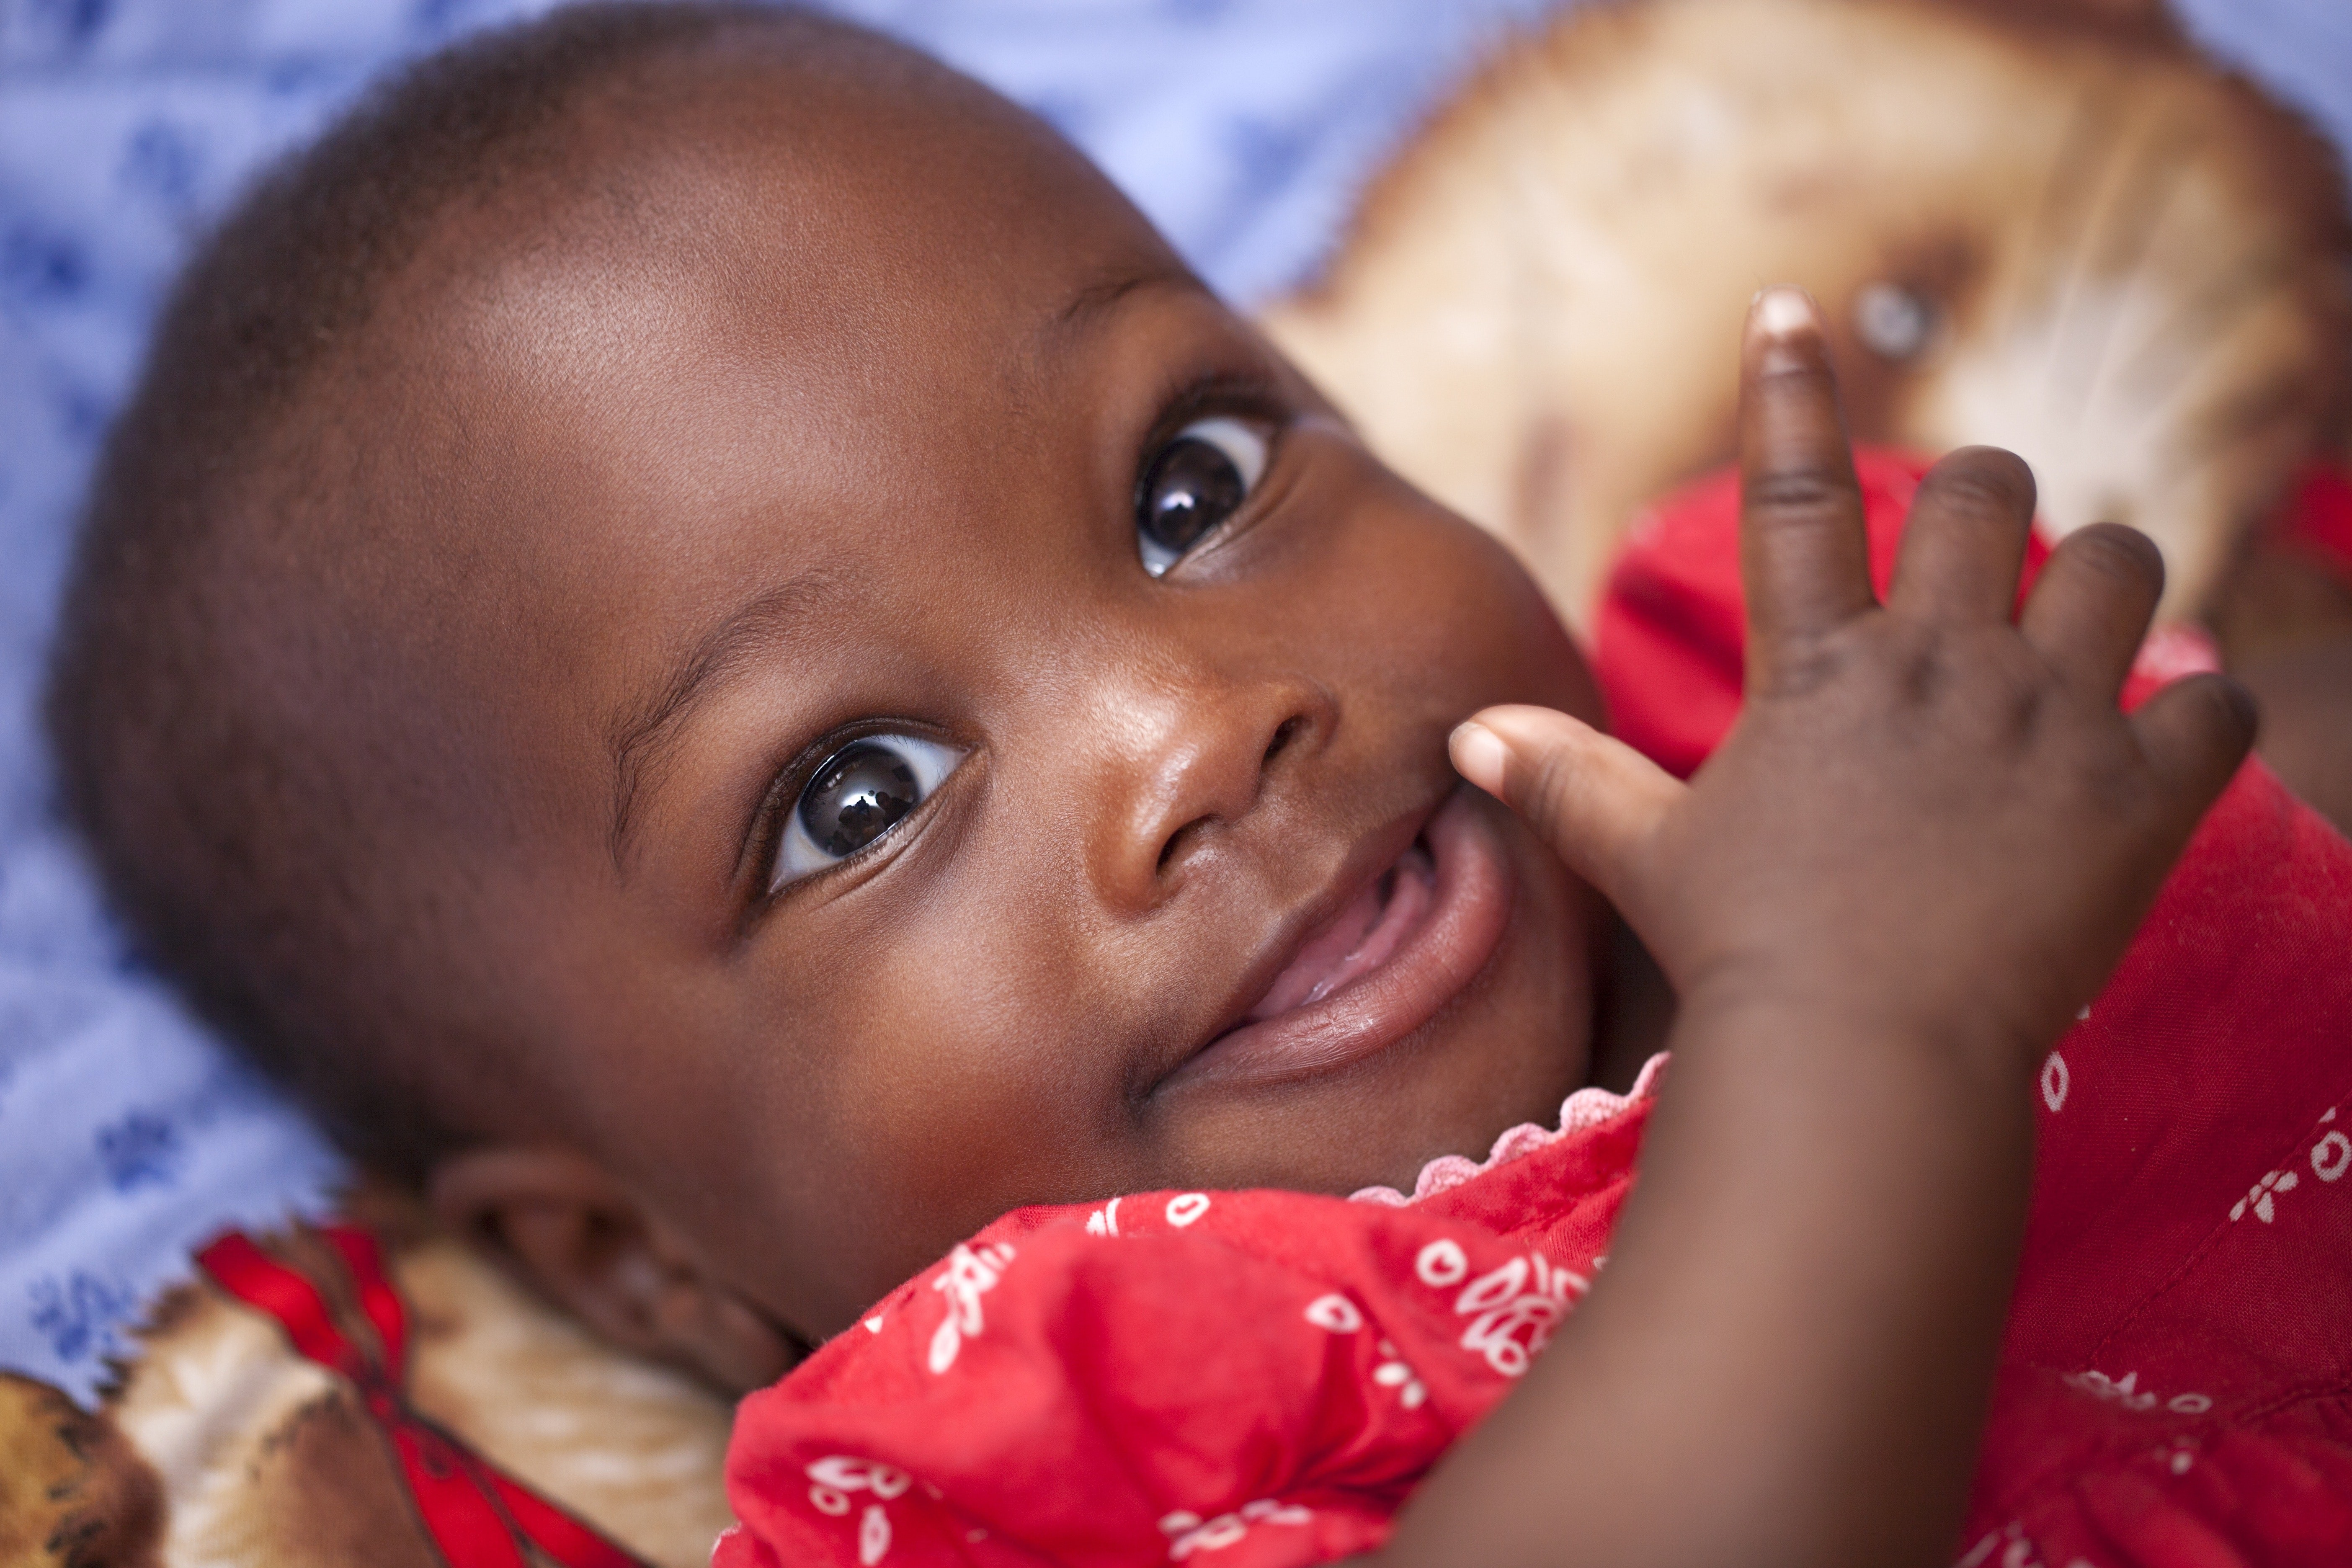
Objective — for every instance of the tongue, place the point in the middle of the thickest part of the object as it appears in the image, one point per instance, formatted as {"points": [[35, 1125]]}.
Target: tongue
{"points": [[1359, 940]]}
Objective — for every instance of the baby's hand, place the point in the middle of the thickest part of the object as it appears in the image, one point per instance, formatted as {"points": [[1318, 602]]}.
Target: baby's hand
{"points": [[1929, 813], [1924, 845]]}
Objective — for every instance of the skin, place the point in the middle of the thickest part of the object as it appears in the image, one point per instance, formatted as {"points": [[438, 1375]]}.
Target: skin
{"points": [[887, 372], [1927, 841], [858, 390]]}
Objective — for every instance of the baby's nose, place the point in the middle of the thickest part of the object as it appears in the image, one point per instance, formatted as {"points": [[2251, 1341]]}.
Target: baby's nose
{"points": [[1189, 763]]}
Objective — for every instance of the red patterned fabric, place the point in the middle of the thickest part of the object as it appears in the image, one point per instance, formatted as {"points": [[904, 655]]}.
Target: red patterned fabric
{"points": [[477, 1517], [1243, 1380]]}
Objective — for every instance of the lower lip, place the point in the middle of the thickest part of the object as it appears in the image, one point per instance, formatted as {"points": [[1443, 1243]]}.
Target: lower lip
{"points": [[1430, 965]]}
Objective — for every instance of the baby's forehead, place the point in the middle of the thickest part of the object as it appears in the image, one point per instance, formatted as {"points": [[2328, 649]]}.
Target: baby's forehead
{"points": [[820, 237], [773, 180], [725, 295]]}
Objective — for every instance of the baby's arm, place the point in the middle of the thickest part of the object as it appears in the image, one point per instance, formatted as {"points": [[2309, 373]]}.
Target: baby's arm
{"points": [[1924, 845]]}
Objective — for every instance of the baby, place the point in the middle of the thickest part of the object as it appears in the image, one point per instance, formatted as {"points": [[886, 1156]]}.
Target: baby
{"points": [[702, 638]]}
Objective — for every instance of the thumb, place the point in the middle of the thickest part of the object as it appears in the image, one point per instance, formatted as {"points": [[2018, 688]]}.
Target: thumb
{"points": [[1594, 799]]}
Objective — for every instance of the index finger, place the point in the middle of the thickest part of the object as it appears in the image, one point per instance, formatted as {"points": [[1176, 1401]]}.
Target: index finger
{"points": [[1804, 551]]}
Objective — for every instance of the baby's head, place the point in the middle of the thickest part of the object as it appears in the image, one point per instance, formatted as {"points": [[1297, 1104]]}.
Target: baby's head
{"points": [[702, 638]]}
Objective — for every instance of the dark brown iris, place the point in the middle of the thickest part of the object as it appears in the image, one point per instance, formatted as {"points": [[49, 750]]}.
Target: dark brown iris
{"points": [[1193, 487], [860, 792]]}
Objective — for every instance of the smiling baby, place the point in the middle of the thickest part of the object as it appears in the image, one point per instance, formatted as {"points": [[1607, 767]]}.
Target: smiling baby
{"points": [[703, 639]]}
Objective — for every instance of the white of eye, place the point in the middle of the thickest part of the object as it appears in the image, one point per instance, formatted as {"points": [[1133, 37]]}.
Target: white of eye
{"points": [[1200, 477], [857, 797], [1244, 443]]}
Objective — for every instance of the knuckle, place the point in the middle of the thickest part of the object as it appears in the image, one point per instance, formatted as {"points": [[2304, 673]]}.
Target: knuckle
{"points": [[1801, 378], [1989, 691], [1919, 669], [1803, 666], [2018, 692], [1798, 491], [1552, 790]]}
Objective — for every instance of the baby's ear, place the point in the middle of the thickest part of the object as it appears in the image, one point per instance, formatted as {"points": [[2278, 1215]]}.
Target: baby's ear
{"points": [[581, 1240]]}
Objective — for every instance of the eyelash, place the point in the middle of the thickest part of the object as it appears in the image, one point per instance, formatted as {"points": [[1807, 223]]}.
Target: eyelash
{"points": [[773, 817], [1179, 508], [1244, 395]]}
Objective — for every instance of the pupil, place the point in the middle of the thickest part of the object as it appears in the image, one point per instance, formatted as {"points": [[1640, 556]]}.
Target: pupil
{"points": [[857, 797], [1193, 487]]}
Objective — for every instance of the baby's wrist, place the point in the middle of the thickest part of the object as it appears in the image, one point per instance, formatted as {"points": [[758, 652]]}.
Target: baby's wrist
{"points": [[1767, 1008]]}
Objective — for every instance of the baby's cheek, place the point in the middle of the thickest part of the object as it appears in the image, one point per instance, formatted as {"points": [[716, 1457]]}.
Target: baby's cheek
{"points": [[1479, 629], [948, 1099]]}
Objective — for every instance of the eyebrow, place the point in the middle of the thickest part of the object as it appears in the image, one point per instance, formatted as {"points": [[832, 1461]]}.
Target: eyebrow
{"points": [[1086, 307], [643, 741]]}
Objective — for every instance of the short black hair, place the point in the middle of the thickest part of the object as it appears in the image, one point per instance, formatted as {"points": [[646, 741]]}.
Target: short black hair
{"points": [[213, 826]]}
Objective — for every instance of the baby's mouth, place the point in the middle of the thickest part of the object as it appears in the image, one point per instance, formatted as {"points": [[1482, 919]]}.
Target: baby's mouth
{"points": [[1402, 947], [1359, 939]]}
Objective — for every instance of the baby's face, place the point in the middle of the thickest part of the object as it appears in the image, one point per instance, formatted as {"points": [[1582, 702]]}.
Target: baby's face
{"points": [[976, 721]]}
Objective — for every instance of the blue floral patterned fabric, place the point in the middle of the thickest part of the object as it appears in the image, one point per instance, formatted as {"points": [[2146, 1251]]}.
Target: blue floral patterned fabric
{"points": [[126, 1134]]}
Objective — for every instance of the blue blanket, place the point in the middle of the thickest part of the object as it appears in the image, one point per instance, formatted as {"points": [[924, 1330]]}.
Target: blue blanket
{"points": [[126, 1134]]}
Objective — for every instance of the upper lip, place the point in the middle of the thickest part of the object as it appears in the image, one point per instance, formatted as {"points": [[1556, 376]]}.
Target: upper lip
{"points": [[1371, 855]]}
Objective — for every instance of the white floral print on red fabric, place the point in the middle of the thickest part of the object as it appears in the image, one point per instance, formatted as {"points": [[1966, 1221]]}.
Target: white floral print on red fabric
{"points": [[2127, 1393], [1513, 1310], [1336, 1314], [2057, 1078], [2329, 1156], [832, 1482], [2015, 1549], [1189, 1532], [971, 1273]]}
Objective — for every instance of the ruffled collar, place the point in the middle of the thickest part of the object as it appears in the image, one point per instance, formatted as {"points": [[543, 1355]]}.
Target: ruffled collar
{"points": [[1585, 1107]]}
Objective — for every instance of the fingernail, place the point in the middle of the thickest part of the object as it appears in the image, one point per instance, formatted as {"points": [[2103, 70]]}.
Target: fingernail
{"points": [[1480, 755], [1781, 312]]}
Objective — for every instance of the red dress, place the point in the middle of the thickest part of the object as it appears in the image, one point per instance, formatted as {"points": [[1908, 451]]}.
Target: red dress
{"points": [[1244, 1379]]}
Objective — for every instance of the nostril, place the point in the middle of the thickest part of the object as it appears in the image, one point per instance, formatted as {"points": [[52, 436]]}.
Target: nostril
{"points": [[1234, 795], [1177, 840]]}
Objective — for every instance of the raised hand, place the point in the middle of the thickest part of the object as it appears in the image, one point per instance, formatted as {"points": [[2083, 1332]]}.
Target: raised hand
{"points": [[1924, 845], [1927, 809]]}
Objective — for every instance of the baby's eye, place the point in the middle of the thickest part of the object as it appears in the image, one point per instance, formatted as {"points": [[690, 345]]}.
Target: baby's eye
{"points": [[856, 796], [1195, 482]]}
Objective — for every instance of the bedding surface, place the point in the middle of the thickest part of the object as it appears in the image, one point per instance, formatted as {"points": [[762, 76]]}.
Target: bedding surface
{"points": [[1242, 126]]}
